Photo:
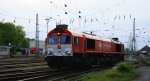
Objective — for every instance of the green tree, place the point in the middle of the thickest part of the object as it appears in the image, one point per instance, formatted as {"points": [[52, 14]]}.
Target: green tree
{"points": [[14, 34], [1, 33]]}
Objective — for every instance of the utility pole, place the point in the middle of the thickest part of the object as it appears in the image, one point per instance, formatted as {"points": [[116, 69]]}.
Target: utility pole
{"points": [[37, 36], [134, 40], [130, 46], [47, 21]]}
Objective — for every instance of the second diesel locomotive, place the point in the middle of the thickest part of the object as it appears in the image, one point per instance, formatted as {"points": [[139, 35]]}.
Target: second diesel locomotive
{"points": [[65, 47]]}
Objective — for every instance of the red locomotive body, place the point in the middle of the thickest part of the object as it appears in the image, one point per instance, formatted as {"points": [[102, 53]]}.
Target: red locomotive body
{"points": [[67, 47]]}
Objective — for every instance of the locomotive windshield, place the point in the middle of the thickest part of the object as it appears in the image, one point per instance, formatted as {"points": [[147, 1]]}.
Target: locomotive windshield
{"points": [[53, 39], [65, 39]]}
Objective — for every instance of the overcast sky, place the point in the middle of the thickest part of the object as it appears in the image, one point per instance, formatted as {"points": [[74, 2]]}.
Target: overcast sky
{"points": [[106, 18]]}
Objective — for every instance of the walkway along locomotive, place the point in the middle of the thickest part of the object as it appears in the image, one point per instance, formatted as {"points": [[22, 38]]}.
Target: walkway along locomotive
{"points": [[65, 47]]}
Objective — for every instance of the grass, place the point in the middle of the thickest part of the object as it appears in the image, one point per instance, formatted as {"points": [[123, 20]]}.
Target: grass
{"points": [[123, 72]]}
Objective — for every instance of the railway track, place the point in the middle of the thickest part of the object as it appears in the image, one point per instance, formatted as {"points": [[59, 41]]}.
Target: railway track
{"points": [[73, 74], [22, 75], [37, 71], [55, 75], [21, 59], [10, 66], [7, 64], [21, 67], [41, 74]]}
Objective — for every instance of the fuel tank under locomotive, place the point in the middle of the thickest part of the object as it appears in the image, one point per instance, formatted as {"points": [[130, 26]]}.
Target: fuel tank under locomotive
{"points": [[67, 61]]}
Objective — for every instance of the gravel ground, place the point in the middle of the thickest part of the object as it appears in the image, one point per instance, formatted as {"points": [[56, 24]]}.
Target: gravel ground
{"points": [[144, 73]]}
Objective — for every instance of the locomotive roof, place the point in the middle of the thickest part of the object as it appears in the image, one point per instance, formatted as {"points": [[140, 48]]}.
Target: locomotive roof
{"points": [[81, 34], [95, 37]]}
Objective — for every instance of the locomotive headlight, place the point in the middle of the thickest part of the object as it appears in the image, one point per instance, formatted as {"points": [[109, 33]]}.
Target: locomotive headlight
{"points": [[49, 53], [68, 53]]}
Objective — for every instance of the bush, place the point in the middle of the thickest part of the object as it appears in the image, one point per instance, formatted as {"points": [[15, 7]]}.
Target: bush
{"points": [[125, 67], [124, 72]]}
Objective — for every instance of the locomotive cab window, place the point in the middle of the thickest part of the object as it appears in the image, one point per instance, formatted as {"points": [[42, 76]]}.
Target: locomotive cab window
{"points": [[76, 40], [65, 39], [53, 39], [90, 44]]}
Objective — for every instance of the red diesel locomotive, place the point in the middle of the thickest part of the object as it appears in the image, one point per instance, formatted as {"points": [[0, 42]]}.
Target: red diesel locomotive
{"points": [[65, 47]]}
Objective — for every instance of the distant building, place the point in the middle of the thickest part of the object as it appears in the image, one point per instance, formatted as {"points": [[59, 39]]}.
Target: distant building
{"points": [[33, 48], [145, 50]]}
